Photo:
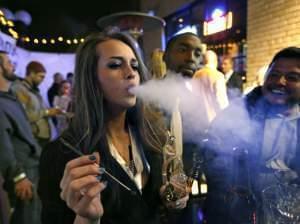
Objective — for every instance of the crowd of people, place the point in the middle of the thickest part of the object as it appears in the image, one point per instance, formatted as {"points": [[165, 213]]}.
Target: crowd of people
{"points": [[105, 165]]}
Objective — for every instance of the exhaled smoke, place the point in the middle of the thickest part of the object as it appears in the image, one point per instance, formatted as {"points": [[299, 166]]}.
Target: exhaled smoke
{"points": [[164, 94], [195, 105]]}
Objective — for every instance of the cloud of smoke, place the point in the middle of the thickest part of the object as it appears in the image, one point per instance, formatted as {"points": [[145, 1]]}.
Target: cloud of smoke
{"points": [[164, 94], [196, 117]]}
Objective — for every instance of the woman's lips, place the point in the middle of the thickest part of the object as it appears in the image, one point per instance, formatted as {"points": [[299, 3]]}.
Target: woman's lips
{"points": [[131, 89]]}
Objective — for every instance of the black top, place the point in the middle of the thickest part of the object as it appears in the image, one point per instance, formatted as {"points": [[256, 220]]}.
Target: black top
{"points": [[234, 85], [120, 206], [52, 92]]}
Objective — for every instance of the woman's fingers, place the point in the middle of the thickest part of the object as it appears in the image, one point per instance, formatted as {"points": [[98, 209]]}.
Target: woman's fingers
{"points": [[78, 185], [74, 167], [92, 200], [81, 187], [78, 172]]}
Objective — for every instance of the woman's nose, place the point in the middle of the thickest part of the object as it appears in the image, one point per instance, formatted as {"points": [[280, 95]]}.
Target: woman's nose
{"points": [[129, 72]]}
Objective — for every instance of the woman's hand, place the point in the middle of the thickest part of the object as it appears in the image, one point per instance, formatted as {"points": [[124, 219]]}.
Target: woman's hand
{"points": [[81, 187]]}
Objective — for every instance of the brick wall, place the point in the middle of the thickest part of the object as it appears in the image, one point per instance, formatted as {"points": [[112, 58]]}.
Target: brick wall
{"points": [[271, 26]]}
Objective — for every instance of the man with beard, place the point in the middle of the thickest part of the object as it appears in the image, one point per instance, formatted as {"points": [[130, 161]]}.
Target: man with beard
{"points": [[257, 152], [19, 152], [38, 114], [183, 56]]}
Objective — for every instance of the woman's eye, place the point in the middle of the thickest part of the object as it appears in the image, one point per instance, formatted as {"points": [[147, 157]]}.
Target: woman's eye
{"points": [[135, 65], [114, 65]]}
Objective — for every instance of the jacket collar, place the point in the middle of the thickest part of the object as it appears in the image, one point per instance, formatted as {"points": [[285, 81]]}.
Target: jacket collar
{"points": [[29, 86], [8, 95]]}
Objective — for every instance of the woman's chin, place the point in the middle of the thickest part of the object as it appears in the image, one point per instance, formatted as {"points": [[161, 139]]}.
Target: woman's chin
{"points": [[130, 102]]}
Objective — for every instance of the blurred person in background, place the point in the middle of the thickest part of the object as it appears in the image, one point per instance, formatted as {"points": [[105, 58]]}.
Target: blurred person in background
{"points": [[54, 89], [62, 102], [211, 86], [28, 94], [234, 80], [70, 78], [157, 66], [19, 152]]}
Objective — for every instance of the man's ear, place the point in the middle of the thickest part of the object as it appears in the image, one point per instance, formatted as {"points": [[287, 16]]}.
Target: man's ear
{"points": [[31, 74]]}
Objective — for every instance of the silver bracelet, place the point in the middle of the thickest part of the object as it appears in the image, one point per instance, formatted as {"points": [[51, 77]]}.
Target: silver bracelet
{"points": [[19, 177]]}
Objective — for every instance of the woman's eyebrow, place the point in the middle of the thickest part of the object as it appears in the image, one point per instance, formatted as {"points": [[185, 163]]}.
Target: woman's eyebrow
{"points": [[122, 58], [117, 57]]}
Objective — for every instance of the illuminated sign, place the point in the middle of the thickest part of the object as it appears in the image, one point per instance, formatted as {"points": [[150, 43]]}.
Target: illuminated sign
{"points": [[218, 23]]}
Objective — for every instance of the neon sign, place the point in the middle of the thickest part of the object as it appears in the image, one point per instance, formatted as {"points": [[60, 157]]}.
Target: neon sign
{"points": [[217, 24]]}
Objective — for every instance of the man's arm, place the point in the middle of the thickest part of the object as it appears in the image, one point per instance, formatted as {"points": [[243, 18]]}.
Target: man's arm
{"points": [[32, 111], [9, 166]]}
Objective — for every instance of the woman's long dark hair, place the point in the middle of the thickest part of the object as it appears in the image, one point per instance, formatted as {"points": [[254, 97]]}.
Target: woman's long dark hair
{"points": [[88, 128], [88, 125]]}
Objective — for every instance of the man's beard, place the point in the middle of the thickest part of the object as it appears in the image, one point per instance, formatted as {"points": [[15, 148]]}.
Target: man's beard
{"points": [[9, 76]]}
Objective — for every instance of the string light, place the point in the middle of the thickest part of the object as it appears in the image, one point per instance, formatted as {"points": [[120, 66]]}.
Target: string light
{"points": [[35, 40], [26, 39], [10, 23], [14, 34], [3, 21]]}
